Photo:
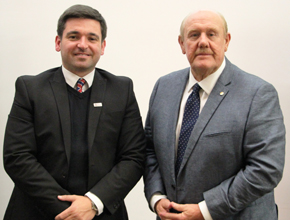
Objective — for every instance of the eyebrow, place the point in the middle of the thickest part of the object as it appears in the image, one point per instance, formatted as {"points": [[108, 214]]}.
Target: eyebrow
{"points": [[72, 32], [198, 30], [94, 35], [76, 32]]}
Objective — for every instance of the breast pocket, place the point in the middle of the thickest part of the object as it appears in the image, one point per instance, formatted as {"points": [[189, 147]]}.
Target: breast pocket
{"points": [[219, 128], [222, 142]]}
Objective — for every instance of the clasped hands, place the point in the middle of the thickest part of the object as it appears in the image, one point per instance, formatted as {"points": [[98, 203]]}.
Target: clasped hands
{"points": [[187, 211], [80, 208]]}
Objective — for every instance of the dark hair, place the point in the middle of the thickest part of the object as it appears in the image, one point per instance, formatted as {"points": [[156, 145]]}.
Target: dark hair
{"points": [[81, 11]]}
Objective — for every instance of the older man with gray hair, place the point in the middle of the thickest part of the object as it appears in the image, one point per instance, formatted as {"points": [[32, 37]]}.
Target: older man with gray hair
{"points": [[215, 134]]}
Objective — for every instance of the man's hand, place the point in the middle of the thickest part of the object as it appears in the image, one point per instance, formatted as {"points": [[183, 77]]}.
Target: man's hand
{"points": [[162, 207], [187, 212], [80, 209]]}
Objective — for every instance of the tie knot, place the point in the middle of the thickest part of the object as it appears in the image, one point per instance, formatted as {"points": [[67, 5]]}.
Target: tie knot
{"points": [[80, 83], [195, 91], [196, 88]]}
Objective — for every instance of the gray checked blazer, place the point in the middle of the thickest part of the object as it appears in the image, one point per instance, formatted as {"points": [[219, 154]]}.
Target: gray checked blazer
{"points": [[235, 155]]}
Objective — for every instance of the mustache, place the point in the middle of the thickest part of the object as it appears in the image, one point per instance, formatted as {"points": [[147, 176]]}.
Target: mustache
{"points": [[200, 52]]}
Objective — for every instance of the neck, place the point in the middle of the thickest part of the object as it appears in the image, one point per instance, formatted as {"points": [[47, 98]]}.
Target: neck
{"points": [[79, 72], [199, 74], [81, 75]]}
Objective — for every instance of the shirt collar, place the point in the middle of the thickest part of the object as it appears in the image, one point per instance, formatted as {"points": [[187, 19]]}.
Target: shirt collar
{"points": [[209, 82], [71, 78]]}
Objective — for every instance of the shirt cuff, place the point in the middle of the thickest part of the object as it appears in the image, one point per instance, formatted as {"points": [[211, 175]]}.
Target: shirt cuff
{"points": [[96, 201], [204, 210], [155, 198]]}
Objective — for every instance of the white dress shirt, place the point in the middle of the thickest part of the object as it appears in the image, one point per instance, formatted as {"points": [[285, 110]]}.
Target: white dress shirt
{"points": [[71, 79], [206, 85]]}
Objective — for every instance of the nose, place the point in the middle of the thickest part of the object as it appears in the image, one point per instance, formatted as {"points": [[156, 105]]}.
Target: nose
{"points": [[203, 41], [83, 44]]}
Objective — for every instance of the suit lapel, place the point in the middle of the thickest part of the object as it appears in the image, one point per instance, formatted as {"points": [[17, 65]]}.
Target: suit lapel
{"points": [[215, 98], [59, 88], [176, 93], [95, 107]]}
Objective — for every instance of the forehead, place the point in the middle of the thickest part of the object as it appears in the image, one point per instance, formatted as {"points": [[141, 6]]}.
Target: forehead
{"points": [[204, 20], [82, 25]]}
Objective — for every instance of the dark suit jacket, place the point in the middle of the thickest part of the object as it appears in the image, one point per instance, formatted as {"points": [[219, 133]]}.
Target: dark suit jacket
{"points": [[235, 155], [38, 142]]}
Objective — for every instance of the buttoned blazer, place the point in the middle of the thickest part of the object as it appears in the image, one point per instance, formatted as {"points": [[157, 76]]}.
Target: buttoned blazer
{"points": [[38, 143], [235, 154]]}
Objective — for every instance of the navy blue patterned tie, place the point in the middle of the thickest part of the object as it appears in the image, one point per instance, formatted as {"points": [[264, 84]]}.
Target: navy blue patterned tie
{"points": [[190, 116]]}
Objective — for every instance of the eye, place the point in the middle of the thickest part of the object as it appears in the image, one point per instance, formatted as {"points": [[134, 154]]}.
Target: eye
{"points": [[72, 37], [212, 34], [93, 39], [194, 35]]}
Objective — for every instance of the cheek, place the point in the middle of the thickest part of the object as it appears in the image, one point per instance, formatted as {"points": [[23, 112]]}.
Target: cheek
{"points": [[190, 49], [69, 46], [99, 51], [219, 48], [190, 53]]}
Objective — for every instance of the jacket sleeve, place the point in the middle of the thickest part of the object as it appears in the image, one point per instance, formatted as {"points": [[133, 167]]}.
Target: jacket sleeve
{"points": [[152, 177], [264, 152], [130, 152], [20, 156]]}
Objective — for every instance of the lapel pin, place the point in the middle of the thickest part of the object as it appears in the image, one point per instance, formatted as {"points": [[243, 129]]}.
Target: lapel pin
{"points": [[98, 104], [222, 93]]}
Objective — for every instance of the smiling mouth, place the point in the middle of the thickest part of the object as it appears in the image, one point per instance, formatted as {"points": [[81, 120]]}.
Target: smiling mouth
{"points": [[82, 55]]}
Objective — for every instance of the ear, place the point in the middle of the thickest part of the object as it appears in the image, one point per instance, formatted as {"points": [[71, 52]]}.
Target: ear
{"points": [[228, 39], [57, 43], [103, 47], [181, 43]]}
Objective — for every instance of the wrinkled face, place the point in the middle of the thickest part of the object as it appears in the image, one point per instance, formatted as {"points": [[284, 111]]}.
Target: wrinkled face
{"points": [[204, 42], [81, 45]]}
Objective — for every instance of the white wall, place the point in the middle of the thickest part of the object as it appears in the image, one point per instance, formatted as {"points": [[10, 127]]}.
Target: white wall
{"points": [[142, 44]]}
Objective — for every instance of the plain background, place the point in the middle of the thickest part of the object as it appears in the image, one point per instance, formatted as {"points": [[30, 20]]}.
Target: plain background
{"points": [[142, 44]]}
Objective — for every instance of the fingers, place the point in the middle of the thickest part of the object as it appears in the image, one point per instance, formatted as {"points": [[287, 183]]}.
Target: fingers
{"points": [[80, 208], [63, 215], [66, 213], [175, 212], [68, 198], [169, 216], [185, 211], [178, 207], [162, 205]]}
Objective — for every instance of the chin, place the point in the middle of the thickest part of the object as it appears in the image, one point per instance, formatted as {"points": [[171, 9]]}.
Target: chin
{"points": [[202, 66]]}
